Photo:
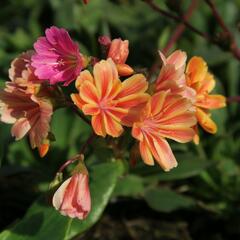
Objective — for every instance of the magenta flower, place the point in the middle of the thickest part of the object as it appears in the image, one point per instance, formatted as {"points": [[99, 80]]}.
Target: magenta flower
{"points": [[57, 57]]}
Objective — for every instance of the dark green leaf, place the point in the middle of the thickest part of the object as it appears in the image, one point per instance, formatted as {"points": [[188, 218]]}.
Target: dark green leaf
{"points": [[165, 200], [131, 185], [42, 221]]}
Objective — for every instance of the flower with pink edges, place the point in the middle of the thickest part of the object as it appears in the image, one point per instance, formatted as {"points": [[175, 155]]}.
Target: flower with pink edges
{"points": [[57, 57], [73, 198], [28, 113], [172, 75]]}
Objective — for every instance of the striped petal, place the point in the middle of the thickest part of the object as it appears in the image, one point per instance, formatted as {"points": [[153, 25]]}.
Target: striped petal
{"points": [[84, 76], [157, 102], [88, 92], [113, 128], [91, 109], [105, 74], [183, 135], [162, 153], [212, 102], [77, 100], [98, 125], [135, 84], [146, 153]]}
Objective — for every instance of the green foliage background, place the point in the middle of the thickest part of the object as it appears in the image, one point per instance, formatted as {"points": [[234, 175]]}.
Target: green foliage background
{"points": [[203, 192]]}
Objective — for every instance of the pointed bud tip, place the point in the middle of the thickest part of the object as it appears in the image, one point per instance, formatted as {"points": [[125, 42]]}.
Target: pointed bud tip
{"points": [[43, 149]]}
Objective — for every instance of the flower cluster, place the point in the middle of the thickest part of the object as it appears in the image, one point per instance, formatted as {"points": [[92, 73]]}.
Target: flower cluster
{"points": [[113, 96]]}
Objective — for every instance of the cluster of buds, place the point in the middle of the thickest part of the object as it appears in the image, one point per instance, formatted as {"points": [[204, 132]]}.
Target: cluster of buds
{"points": [[113, 96]]}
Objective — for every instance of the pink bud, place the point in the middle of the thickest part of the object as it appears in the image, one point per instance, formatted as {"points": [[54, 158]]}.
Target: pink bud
{"points": [[73, 198], [104, 40], [118, 51]]}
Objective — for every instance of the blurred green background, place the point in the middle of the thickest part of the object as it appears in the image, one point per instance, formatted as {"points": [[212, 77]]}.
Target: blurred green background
{"points": [[199, 200]]}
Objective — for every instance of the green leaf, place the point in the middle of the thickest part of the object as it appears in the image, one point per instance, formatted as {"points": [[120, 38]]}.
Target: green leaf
{"points": [[165, 200], [43, 222], [188, 166], [131, 185]]}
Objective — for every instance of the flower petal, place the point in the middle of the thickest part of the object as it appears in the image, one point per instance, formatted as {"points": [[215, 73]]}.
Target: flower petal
{"points": [[212, 102], [205, 121], [20, 128], [88, 92], [113, 128], [135, 84], [77, 100], [196, 70], [105, 75], [162, 153], [98, 125], [146, 153], [84, 76]]}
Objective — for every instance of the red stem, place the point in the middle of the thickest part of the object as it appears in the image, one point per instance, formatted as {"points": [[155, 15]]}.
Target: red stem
{"points": [[233, 44], [176, 35], [82, 151], [233, 99], [181, 27], [177, 19]]}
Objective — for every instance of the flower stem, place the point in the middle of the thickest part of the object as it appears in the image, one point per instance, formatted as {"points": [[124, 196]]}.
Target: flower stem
{"points": [[79, 155], [233, 99]]}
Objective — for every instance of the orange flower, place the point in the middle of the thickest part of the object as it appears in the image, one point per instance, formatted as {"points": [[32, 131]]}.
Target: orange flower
{"points": [[203, 83], [172, 76], [166, 115], [110, 102], [118, 51]]}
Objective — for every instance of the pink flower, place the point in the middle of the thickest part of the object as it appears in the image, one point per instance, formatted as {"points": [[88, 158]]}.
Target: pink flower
{"points": [[172, 76], [73, 198], [57, 57], [118, 52]]}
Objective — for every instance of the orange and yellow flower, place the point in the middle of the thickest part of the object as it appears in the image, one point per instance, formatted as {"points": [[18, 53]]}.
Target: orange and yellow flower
{"points": [[165, 115], [203, 83], [110, 102]]}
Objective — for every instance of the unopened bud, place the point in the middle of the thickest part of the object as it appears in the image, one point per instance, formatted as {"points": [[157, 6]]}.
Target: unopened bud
{"points": [[124, 70]]}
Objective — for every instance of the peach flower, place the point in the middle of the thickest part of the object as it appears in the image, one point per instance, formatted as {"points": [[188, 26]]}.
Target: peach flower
{"points": [[165, 116], [73, 198]]}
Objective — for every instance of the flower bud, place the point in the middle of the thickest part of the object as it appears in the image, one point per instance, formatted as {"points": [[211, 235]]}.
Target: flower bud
{"points": [[73, 198], [124, 70]]}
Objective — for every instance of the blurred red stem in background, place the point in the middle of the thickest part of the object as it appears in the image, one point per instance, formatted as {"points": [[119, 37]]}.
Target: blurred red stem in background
{"points": [[176, 34], [78, 156], [177, 19], [233, 99], [228, 34], [181, 27], [233, 45]]}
